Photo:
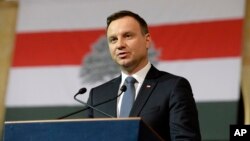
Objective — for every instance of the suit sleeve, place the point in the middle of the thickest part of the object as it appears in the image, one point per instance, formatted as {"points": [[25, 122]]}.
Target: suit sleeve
{"points": [[184, 123]]}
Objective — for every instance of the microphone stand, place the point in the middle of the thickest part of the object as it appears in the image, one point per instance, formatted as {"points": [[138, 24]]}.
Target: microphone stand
{"points": [[75, 97], [83, 90]]}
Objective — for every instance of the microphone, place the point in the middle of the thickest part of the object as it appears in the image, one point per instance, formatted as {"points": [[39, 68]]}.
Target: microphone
{"points": [[82, 91]]}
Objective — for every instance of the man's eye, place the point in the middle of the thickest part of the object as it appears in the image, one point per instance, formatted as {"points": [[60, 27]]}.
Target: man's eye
{"points": [[128, 36], [112, 40]]}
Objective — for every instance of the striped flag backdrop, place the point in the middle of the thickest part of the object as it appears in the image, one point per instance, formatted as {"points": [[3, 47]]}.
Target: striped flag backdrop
{"points": [[61, 47]]}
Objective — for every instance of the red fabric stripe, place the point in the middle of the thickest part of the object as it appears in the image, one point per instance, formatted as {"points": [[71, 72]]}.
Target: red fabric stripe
{"points": [[183, 41], [199, 40], [53, 48]]}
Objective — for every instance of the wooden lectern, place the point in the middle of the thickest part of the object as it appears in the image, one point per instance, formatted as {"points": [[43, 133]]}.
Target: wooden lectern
{"points": [[113, 129]]}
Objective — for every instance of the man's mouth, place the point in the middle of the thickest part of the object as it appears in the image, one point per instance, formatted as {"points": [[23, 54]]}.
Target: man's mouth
{"points": [[122, 55]]}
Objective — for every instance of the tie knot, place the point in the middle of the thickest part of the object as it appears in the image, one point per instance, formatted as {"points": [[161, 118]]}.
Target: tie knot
{"points": [[130, 80]]}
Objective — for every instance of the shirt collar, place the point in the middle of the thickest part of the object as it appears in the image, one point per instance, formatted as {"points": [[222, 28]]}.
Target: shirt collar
{"points": [[140, 75]]}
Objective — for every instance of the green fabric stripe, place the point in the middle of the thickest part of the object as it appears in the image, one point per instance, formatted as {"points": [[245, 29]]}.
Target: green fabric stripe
{"points": [[215, 117]]}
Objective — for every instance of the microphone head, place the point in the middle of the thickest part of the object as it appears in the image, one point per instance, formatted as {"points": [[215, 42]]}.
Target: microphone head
{"points": [[82, 91], [123, 88]]}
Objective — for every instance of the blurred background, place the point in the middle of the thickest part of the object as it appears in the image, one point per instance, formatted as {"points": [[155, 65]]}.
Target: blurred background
{"points": [[60, 46]]}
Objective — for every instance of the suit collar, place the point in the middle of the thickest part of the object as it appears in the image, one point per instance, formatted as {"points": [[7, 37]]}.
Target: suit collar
{"points": [[146, 90]]}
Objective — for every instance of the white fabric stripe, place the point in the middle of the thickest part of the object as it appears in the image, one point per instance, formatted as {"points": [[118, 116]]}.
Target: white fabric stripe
{"points": [[47, 15], [211, 80], [43, 86]]}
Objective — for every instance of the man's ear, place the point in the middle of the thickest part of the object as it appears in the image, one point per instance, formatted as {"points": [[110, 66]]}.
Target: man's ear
{"points": [[148, 40]]}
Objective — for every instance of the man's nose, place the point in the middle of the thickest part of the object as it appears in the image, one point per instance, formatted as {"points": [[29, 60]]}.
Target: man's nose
{"points": [[120, 44]]}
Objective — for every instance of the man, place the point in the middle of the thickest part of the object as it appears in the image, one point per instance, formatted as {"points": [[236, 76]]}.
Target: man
{"points": [[164, 101]]}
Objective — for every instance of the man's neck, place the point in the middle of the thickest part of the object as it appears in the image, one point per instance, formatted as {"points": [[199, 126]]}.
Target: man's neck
{"points": [[133, 70]]}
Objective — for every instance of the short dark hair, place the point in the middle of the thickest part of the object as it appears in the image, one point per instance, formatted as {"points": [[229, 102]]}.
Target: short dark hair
{"points": [[123, 13]]}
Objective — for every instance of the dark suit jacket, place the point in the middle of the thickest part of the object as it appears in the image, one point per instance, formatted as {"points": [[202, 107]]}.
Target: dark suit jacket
{"points": [[165, 102]]}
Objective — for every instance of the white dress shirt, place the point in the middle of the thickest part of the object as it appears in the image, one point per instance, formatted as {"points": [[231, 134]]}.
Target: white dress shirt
{"points": [[139, 76]]}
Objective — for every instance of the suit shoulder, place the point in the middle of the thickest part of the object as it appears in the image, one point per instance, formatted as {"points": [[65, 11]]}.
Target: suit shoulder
{"points": [[168, 75], [108, 83], [163, 76], [172, 79]]}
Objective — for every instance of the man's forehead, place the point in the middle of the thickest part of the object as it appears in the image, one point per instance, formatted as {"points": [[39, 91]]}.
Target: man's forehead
{"points": [[123, 25]]}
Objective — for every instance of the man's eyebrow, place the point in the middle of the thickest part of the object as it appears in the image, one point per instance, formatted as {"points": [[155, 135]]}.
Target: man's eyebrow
{"points": [[111, 36]]}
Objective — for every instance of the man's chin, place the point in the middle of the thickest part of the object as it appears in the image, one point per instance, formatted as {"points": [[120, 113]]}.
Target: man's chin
{"points": [[124, 66], [123, 63]]}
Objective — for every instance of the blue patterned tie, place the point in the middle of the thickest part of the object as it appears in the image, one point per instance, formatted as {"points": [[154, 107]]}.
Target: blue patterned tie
{"points": [[128, 97]]}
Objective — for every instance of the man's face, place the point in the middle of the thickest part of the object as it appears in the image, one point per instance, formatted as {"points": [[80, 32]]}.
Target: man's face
{"points": [[127, 45]]}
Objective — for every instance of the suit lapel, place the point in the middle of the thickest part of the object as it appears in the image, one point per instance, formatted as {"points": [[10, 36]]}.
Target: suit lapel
{"points": [[113, 93], [146, 90], [108, 92]]}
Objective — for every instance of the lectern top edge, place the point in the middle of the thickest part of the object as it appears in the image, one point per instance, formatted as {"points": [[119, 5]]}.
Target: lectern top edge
{"points": [[73, 120]]}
